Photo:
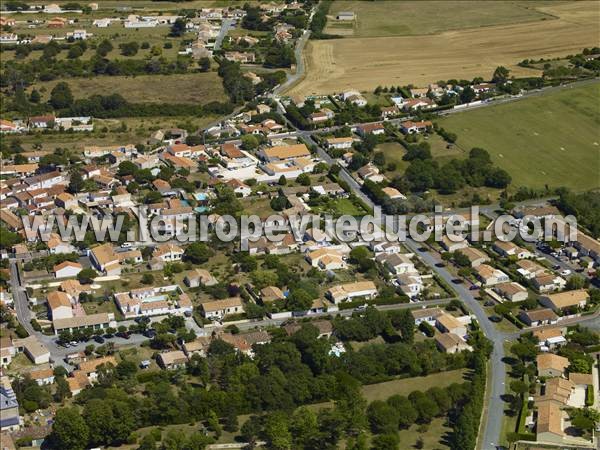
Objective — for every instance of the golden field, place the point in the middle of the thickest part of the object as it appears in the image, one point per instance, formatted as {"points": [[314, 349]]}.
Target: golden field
{"points": [[365, 63]]}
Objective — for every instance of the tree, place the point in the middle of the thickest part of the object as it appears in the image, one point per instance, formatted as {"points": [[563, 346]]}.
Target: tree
{"points": [[129, 48], [467, 95], [386, 442], [104, 48], [69, 430], [61, 96], [204, 64], [86, 275], [382, 417], [303, 179], [500, 75], [35, 96], [178, 28], [198, 253], [425, 406], [249, 142], [76, 182], [282, 180], [147, 278], [575, 282], [277, 433], [407, 414], [299, 300]]}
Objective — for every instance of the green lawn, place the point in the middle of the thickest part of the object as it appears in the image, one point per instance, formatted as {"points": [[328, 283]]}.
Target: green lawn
{"points": [[409, 18], [548, 140], [434, 435], [404, 386]]}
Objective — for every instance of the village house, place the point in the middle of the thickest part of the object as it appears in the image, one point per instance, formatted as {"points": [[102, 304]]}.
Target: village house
{"points": [[413, 104], [475, 256], [447, 323], [370, 172], [566, 300], [549, 338], [284, 152], [428, 315], [198, 346], [507, 249], [59, 305], [393, 193], [451, 343], [352, 291], [370, 128], [199, 277], [489, 275], [217, 309], [326, 259], [548, 282], [33, 348], [340, 143], [551, 365], [42, 377], [451, 245], [172, 360], [538, 317], [66, 269], [270, 294], [95, 322], [168, 252], [529, 269], [410, 127], [512, 291], [397, 263]]}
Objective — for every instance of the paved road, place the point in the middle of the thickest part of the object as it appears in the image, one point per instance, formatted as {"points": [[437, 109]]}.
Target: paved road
{"points": [[226, 25], [491, 430], [300, 65]]}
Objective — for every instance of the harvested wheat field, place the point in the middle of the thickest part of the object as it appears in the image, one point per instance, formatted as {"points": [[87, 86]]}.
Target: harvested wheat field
{"points": [[365, 63]]}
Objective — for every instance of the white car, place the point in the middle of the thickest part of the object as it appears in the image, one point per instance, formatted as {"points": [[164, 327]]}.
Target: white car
{"points": [[565, 272]]}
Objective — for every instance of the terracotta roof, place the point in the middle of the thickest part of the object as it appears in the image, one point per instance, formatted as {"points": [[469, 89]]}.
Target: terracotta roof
{"points": [[57, 299], [217, 305], [551, 361]]}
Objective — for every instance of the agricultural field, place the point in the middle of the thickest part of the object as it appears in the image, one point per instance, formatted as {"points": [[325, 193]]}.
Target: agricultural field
{"points": [[365, 63], [413, 18], [548, 140], [182, 88]]}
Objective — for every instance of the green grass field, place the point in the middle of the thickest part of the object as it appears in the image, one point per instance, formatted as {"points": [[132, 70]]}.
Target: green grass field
{"points": [[547, 140], [410, 18], [184, 88]]}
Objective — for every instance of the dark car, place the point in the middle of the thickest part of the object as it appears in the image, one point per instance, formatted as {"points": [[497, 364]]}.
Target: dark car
{"points": [[489, 303], [457, 280], [474, 288], [108, 336], [99, 339], [440, 264], [495, 319], [149, 333]]}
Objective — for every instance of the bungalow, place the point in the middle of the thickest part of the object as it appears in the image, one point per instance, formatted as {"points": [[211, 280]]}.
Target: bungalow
{"points": [[428, 315], [46, 121], [393, 193], [530, 269], [551, 365], [410, 127], [197, 346], [42, 377], [549, 338], [565, 300], [90, 368], [6, 126], [397, 263], [418, 103], [475, 256], [354, 97], [33, 348], [507, 249], [199, 277], [285, 152], [489, 275], [322, 116], [217, 309], [326, 259], [452, 246], [67, 269], [538, 317], [243, 58], [174, 359], [271, 294], [451, 343], [168, 252], [411, 284], [239, 188], [351, 291], [370, 128], [447, 323], [340, 143], [512, 291], [370, 172], [548, 282], [389, 111]]}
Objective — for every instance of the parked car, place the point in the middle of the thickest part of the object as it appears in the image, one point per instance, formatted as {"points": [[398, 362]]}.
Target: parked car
{"points": [[474, 288], [99, 339], [457, 280], [495, 319], [565, 272]]}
